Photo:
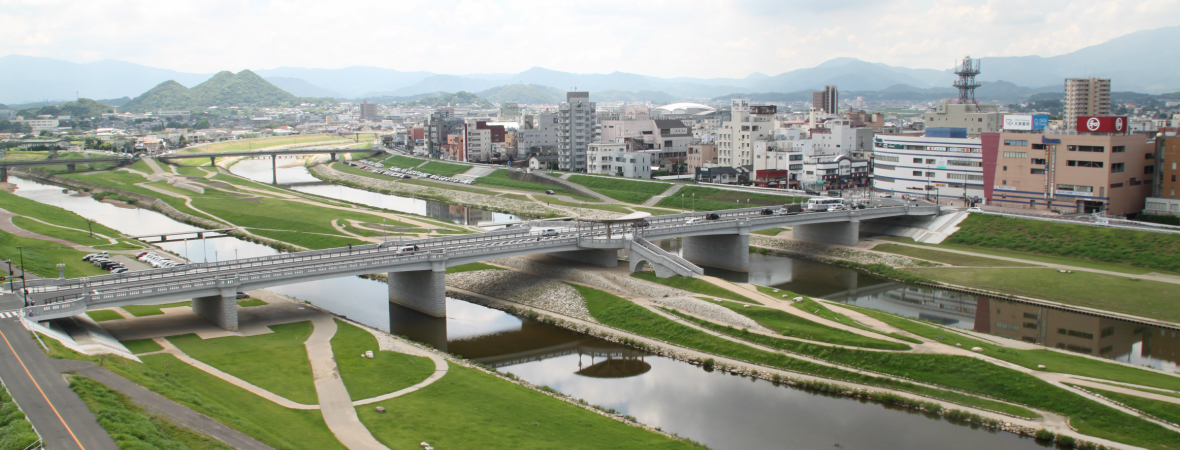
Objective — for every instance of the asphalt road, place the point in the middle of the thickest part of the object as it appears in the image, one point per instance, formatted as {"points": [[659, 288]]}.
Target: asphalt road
{"points": [[38, 387]]}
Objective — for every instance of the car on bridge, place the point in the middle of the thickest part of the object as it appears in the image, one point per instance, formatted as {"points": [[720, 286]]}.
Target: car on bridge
{"points": [[549, 232], [408, 248]]}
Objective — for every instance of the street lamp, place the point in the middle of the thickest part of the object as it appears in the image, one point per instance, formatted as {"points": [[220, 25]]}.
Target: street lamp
{"points": [[24, 291]]}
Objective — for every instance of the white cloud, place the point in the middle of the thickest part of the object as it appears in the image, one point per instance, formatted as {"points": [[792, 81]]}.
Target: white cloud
{"points": [[701, 38]]}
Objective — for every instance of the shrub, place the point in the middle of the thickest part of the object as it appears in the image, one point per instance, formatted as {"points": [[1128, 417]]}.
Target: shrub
{"points": [[1066, 441], [1044, 435]]}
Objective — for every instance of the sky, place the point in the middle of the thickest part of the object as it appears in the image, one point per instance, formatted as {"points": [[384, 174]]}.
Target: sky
{"points": [[666, 38]]}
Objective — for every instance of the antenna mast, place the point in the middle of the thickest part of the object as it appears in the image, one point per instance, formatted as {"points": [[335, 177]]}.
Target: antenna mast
{"points": [[966, 82]]}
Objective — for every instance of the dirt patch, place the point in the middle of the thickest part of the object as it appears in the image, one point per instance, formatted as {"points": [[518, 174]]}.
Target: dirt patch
{"points": [[8, 187], [118, 203]]}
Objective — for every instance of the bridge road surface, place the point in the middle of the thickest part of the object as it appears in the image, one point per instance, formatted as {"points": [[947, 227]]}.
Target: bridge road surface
{"points": [[55, 410], [659, 226]]}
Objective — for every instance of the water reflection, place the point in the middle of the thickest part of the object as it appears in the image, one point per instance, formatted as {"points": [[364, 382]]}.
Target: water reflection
{"points": [[132, 221], [298, 178]]}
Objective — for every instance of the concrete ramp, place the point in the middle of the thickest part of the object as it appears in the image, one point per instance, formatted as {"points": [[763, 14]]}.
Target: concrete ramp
{"points": [[665, 264], [927, 230], [475, 172], [81, 334]]}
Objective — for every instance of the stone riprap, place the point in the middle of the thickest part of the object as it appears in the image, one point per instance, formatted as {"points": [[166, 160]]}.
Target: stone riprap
{"points": [[611, 282], [543, 293], [820, 251], [710, 311], [495, 203]]}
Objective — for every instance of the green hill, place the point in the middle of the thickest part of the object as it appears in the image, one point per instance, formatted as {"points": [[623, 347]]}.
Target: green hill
{"points": [[533, 94], [225, 89], [444, 99], [83, 108]]}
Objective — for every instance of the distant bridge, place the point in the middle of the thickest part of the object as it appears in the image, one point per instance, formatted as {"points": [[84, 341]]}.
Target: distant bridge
{"points": [[273, 154], [70, 163], [417, 277]]}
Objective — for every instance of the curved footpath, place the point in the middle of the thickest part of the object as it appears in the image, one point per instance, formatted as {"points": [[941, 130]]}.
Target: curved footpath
{"points": [[335, 403]]}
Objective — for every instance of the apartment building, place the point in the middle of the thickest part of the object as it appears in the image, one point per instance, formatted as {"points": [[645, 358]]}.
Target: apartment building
{"points": [[827, 101], [538, 134], [942, 166], [1085, 173], [368, 111], [576, 120], [700, 155], [1085, 97], [618, 159], [746, 125], [1165, 191]]}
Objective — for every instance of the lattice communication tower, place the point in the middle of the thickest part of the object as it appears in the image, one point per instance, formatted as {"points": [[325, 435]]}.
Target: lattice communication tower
{"points": [[966, 82]]}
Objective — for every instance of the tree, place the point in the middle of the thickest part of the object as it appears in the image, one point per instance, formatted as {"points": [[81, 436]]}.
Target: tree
{"points": [[202, 124]]}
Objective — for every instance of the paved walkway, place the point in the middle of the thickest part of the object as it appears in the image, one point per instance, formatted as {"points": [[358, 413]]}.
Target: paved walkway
{"points": [[61, 418], [335, 403], [440, 367], [671, 190], [181, 355], [179, 414]]}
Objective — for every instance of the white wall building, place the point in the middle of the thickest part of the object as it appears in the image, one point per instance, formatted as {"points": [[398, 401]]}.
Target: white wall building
{"points": [[736, 136], [538, 131], [907, 164], [478, 142], [614, 159], [576, 119]]}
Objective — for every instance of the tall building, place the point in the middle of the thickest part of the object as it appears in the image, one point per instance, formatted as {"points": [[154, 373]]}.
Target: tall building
{"points": [[746, 124], [369, 110], [827, 101], [949, 165], [1165, 195], [576, 119], [1086, 97]]}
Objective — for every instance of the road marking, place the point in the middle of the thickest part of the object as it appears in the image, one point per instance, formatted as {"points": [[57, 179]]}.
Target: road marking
{"points": [[7, 314], [22, 365]]}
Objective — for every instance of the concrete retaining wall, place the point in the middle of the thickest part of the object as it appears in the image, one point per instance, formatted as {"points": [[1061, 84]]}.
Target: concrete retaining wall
{"points": [[556, 182], [838, 233]]}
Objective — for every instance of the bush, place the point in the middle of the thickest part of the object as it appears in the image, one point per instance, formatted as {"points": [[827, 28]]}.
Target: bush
{"points": [[1044, 435], [1066, 441]]}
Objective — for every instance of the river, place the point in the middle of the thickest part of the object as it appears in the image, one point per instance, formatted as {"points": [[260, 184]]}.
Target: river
{"points": [[723, 411]]}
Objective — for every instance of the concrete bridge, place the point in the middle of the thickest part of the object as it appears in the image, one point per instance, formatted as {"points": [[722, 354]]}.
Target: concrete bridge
{"points": [[70, 163], [417, 277], [273, 154]]}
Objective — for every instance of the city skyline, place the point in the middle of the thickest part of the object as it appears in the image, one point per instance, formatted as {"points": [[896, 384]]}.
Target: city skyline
{"points": [[735, 38]]}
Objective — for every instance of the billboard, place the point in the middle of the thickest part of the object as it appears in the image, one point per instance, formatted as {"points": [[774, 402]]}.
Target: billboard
{"points": [[763, 109], [1102, 124], [739, 104], [1026, 122]]}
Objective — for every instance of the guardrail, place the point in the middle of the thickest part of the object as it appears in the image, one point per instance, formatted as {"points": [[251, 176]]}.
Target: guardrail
{"points": [[671, 258], [1140, 226]]}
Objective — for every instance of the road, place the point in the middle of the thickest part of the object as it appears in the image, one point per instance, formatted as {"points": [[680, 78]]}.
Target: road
{"points": [[38, 387]]}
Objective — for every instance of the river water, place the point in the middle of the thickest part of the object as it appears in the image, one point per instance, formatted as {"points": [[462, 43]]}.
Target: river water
{"points": [[723, 411], [299, 179]]}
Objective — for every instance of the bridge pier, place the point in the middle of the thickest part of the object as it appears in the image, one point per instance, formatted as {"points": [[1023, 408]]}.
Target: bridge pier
{"points": [[71, 168], [333, 156], [601, 258], [4, 174], [274, 169], [213, 161], [723, 251], [424, 291], [837, 233], [222, 309]]}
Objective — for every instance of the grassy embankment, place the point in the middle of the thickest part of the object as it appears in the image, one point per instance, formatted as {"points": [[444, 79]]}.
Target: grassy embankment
{"points": [[788, 324], [154, 310], [271, 424], [1165, 410], [404, 162], [386, 372], [953, 259], [818, 309], [100, 315], [472, 267], [621, 189], [506, 415], [499, 179], [444, 169], [983, 378], [619, 313], [713, 199], [695, 285], [276, 362], [133, 428], [15, 430], [1053, 361]]}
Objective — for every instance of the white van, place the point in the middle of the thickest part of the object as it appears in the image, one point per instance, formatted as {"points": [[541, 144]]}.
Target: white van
{"points": [[823, 203]]}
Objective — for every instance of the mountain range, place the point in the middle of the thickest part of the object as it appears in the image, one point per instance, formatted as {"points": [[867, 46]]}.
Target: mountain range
{"points": [[1135, 62], [244, 88]]}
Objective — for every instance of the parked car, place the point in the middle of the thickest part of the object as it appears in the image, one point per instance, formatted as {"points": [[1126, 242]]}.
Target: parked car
{"points": [[549, 191], [119, 270], [549, 232]]}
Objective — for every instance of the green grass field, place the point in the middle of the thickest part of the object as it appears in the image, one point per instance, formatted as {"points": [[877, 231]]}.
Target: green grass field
{"points": [[75, 236], [713, 199], [51, 214], [386, 372], [1136, 248], [621, 189], [467, 409], [1143, 298], [771, 231], [472, 267], [154, 310], [15, 430], [499, 179], [813, 307], [404, 162], [794, 326], [41, 257], [444, 169], [131, 426], [448, 186], [1076, 262], [953, 259], [276, 362], [127, 181], [311, 241], [1165, 410], [138, 346], [695, 285], [100, 315]]}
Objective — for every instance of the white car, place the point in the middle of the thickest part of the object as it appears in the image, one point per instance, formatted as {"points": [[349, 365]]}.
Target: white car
{"points": [[549, 232], [693, 221], [974, 209]]}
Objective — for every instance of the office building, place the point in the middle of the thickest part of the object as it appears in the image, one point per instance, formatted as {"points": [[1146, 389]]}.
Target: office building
{"points": [[368, 111], [1165, 191], [942, 167], [746, 124], [976, 118], [576, 120], [1106, 172], [618, 159], [827, 100], [1085, 97], [700, 155]]}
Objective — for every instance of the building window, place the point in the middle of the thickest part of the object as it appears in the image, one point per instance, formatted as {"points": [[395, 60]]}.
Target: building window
{"points": [[1021, 155], [1116, 167], [930, 174], [930, 161], [1039, 161], [1075, 333], [1015, 143], [1148, 170], [917, 160], [1037, 171], [1086, 148], [1040, 147], [963, 176], [1118, 149], [1096, 164], [962, 162], [917, 173], [1075, 188], [1116, 185]]}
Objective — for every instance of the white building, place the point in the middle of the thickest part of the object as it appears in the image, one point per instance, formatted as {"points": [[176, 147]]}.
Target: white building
{"points": [[838, 137], [576, 118], [41, 124], [736, 136], [477, 140], [909, 164], [538, 132], [975, 118], [614, 159]]}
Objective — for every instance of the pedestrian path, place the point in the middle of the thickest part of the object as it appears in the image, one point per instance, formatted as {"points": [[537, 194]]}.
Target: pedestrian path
{"points": [[335, 403]]}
